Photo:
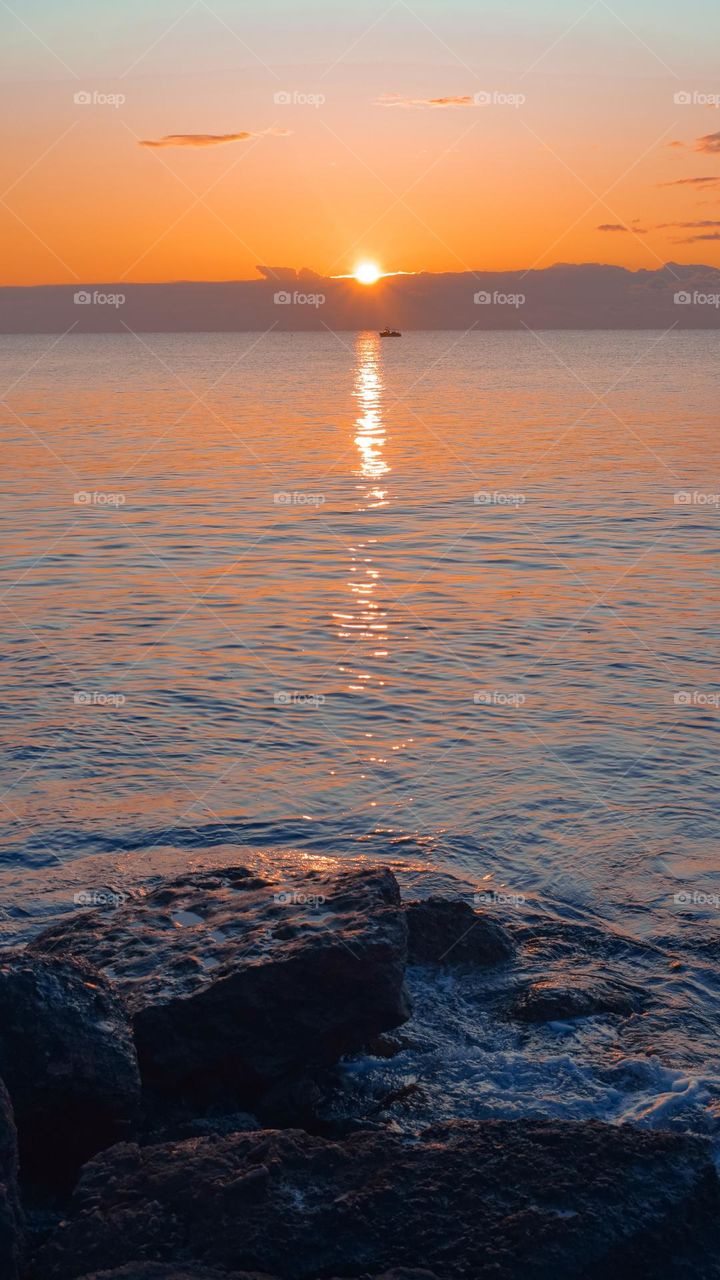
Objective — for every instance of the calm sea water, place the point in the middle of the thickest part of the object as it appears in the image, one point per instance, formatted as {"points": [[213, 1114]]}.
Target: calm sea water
{"points": [[435, 602]]}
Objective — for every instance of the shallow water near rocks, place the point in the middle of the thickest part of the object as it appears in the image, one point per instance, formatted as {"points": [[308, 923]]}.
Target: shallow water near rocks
{"points": [[436, 606]]}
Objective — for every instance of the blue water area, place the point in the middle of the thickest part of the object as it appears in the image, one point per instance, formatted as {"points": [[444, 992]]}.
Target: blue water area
{"points": [[448, 602]]}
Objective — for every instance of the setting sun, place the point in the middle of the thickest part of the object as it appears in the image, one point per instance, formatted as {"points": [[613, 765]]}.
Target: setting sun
{"points": [[367, 272]]}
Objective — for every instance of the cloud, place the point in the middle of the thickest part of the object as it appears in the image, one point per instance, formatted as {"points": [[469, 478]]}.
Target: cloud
{"points": [[684, 226], [701, 224], [208, 139], [708, 235], [619, 226], [285, 274], [398, 100], [289, 275], [693, 182], [710, 143]]}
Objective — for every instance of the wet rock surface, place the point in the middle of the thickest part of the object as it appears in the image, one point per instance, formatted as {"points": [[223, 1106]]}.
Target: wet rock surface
{"points": [[201, 1127], [159, 1271], [552, 1001], [242, 995], [232, 979], [332, 1104], [11, 1218], [448, 931], [467, 1200], [68, 1060]]}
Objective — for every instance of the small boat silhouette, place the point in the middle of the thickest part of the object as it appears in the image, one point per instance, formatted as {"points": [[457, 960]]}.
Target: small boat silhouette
{"points": [[390, 333]]}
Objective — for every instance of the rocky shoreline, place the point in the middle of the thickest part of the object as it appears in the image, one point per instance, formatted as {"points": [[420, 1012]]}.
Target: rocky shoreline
{"points": [[171, 1107]]}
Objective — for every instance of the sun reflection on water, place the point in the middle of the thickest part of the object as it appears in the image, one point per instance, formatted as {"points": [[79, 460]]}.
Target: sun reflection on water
{"points": [[370, 429], [364, 620]]}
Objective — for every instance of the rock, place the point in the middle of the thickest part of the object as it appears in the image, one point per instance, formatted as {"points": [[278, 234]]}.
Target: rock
{"points": [[388, 1046], [309, 1102], [232, 980], [550, 1001], [468, 1200], [68, 1059], [448, 931], [11, 1219], [204, 1126], [329, 1103], [404, 1273], [159, 1271], [547, 939]]}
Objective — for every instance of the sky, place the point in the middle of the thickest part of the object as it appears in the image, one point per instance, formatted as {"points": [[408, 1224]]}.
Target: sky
{"points": [[185, 139]]}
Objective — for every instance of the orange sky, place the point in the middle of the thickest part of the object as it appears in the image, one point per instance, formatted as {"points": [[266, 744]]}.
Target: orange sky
{"points": [[361, 163]]}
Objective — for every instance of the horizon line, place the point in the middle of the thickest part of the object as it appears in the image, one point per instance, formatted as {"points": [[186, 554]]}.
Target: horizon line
{"points": [[280, 274]]}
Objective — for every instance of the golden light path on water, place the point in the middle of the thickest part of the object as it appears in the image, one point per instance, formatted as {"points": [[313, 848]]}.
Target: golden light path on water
{"points": [[366, 621], [371, 435]]}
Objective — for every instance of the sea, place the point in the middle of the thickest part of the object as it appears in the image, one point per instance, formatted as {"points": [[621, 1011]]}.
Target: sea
{"points": [[448, 603]]}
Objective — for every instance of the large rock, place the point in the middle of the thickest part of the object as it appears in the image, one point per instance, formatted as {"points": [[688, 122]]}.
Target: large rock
{"points": [[489, 1200], [11, 1220], [232, 980], [68, 1059], [448, 931]]}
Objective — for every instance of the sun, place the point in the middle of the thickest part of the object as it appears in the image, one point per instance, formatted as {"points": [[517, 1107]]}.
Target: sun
{"points": [[367, 272]]}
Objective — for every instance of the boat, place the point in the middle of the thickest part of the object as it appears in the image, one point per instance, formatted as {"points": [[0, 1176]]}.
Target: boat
{"points": [[390, 333]]}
